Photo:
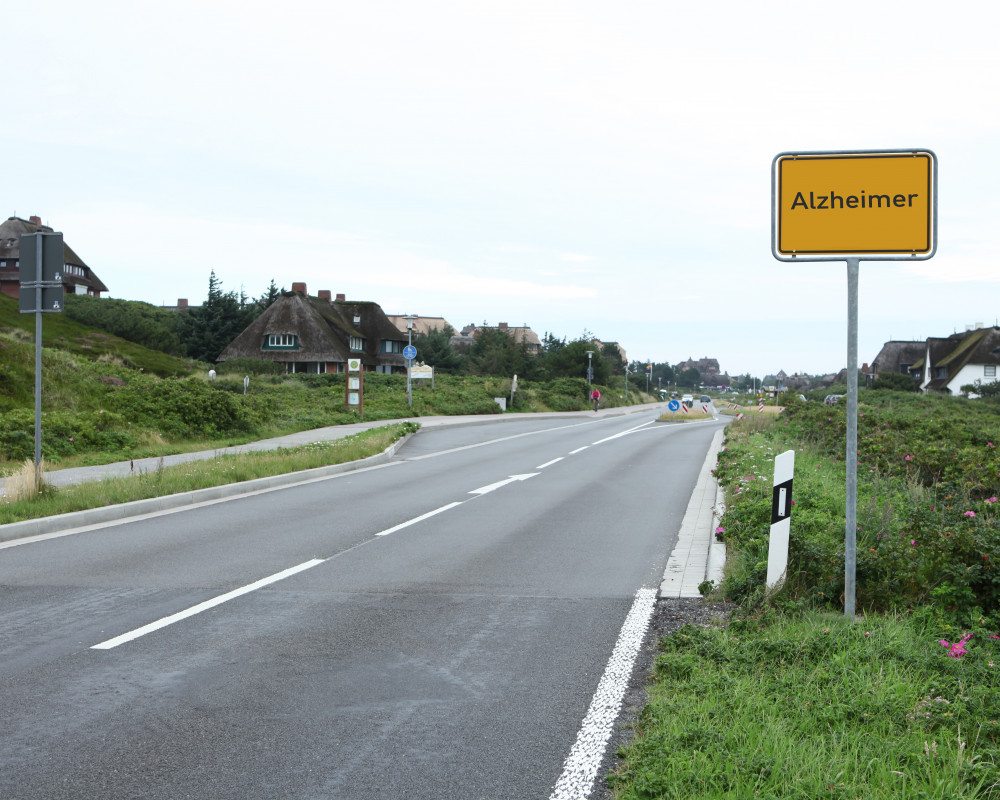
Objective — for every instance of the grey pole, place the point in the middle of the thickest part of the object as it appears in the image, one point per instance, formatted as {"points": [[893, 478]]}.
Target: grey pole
{"points": [[409, 362], [851, 454], [38, 359]]}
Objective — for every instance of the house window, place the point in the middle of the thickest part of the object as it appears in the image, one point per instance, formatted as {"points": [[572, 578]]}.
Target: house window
{"points": [[990, 371], [392, 346], [940, 372], [357, 343], [285, 341], [905, 368]]}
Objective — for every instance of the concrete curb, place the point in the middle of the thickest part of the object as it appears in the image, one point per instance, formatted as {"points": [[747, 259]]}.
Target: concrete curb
{"points": [[698, 556]]}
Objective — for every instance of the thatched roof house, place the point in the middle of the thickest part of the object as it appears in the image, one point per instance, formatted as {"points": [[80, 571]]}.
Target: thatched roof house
{"points": [[319, 334], [77, 277]]}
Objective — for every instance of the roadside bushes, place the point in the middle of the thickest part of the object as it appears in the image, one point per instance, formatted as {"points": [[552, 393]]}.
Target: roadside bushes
{"points": [[63, 434], [928, 512], [189, 407]]}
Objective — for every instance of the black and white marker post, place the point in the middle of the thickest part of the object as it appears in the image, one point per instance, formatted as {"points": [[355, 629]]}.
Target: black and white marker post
{"points": [[781, 520]]}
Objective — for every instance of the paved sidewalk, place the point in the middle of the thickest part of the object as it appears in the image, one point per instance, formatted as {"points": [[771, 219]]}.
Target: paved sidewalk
{"points": [[698, 555]]}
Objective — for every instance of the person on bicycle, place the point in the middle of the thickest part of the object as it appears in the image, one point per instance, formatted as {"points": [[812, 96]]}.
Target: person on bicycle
{"points": [[596, 397]]}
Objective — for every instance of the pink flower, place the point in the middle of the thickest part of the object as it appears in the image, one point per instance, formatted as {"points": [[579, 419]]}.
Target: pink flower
{"points": [[958, 649], [720, 529], [991, 499], [907, 458], [966, 514]]}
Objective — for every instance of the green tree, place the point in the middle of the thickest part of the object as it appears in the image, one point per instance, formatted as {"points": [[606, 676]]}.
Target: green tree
{"points": [[272, 294], [496, 353], [209, 328], [689, 378], [434, 348]]}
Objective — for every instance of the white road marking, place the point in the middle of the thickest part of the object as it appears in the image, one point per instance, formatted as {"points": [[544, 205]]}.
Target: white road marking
{"points": [[578, 450], [623, 433], [415, 520], [197, 609], [550, 463], [494, 486], [580, 767]]}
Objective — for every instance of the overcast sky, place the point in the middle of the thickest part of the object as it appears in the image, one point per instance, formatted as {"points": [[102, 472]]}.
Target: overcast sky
{"points": [[576, 166]]}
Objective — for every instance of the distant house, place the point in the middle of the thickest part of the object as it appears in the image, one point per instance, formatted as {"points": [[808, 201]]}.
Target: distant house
{"points": [[960, 360], [77, 277], [319, 334], [601, 345], [467, 336], [895, 357], [421, 325], [707, 368]]}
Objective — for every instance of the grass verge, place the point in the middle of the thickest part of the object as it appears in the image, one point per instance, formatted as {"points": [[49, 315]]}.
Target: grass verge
{"points": [[808, 705], [219, 471]]}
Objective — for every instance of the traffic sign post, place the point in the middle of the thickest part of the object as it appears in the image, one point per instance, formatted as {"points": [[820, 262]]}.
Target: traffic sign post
{"points": [[41, 292], [875, 205]]}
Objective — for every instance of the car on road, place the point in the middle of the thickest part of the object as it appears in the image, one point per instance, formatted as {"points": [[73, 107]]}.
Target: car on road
{"points": [[706, 399], [687, 400]]}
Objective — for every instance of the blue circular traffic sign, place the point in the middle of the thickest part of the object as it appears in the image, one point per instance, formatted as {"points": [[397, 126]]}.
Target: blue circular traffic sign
{"points": [[409, 352], [673, 405]]}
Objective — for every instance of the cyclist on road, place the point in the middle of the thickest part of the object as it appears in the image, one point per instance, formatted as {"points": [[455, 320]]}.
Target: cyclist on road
{"points": [[596, 397]]}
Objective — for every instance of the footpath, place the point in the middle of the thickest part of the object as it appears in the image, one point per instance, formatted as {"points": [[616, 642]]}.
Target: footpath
{"points": [[696, 558]]}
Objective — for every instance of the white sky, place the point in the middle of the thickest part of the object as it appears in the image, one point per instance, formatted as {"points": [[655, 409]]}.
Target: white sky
{"points": [[570, 165]]}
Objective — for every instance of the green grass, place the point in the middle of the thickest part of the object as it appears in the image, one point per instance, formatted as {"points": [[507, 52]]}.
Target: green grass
{"points": [[812, 706], [218, 471]]}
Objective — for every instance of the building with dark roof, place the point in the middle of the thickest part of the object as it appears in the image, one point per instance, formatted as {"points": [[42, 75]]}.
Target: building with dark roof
{"points": [[319, 334], [77, 277]]}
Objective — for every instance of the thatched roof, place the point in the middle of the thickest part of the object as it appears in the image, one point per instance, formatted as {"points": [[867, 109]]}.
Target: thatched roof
{"points": [[11, 231], [323, 329], [894, 355]]}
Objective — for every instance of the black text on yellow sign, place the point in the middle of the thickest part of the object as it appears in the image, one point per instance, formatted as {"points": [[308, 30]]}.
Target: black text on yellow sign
{"points": [[847, 203]]}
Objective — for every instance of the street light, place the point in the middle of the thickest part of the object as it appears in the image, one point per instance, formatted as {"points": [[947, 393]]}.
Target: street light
{"points": [[409, 343], [590, 371]]}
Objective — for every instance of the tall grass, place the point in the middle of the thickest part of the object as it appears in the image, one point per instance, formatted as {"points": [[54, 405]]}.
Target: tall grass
{"points": [[812, 706], [219, 471]]}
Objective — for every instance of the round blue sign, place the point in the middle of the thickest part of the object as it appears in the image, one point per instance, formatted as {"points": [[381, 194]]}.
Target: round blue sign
{"points": [[409, 351], [673, 405]]}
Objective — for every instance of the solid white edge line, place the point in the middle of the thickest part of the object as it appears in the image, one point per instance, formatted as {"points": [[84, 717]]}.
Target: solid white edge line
{"points": [[550, 463], [415, 520], [197, 609], [580, 767]]}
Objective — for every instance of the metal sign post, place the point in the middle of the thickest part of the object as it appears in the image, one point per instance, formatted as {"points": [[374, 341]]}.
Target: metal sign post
{"points": [[41, 292], [876, 205]]}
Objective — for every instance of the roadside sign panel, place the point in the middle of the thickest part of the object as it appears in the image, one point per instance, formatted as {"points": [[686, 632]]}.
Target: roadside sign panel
{"points": [[52, 257], [52, 300], [878, 205]]}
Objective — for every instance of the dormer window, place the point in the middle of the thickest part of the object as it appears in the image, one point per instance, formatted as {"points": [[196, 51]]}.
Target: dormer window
{"points": [[281, 341], [357, 344], [357, 319]]}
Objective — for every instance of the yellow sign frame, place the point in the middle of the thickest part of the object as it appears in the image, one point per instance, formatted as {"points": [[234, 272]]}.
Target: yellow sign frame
{"points": [[869, 204]]}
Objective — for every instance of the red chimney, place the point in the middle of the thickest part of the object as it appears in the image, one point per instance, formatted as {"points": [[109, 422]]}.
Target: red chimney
{"points": [[182, 302], [502, 326], [324, 294], [341, 298], [35, 221], [299, 287]]}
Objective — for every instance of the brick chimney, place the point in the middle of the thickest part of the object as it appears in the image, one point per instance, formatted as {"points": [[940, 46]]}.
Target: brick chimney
{"points": [[300, 288], [502, 326], [324, 294], [182, 302], [341, 298], [35, 221]]}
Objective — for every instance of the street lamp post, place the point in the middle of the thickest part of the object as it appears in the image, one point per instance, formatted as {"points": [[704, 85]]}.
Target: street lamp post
{"points": [[409, 343], [590, 371]]}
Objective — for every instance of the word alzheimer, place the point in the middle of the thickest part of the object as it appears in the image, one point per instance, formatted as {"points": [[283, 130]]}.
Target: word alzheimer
{"points": [[834, 201]]}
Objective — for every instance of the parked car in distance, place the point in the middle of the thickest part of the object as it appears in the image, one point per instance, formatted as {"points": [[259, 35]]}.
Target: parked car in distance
{"points": [[706, 399], [831, 399], [687, 400]]}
